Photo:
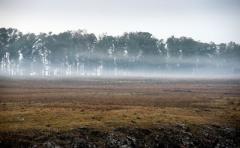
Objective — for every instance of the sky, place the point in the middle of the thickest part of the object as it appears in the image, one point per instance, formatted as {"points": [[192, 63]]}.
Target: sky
{"points": [[203, 20]]}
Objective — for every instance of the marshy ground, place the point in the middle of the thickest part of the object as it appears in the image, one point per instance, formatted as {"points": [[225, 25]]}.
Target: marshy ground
{"points": [[119, 112]]}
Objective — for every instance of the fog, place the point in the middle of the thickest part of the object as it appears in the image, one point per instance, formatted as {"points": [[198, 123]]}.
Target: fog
{"points": [[97, 65], [133, 54]]}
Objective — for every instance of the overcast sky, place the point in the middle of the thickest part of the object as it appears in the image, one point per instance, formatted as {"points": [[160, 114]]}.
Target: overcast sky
{"points": [[204, 20]]}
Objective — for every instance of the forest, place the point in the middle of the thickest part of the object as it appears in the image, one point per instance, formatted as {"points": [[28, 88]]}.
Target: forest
{"points": [[81, 53]]}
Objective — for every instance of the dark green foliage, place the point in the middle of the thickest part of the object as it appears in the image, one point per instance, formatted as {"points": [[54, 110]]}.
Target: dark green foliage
{"points": [[139, 48]]}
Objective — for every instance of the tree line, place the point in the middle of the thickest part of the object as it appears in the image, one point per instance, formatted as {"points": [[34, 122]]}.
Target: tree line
{"points": [[133, 50]]}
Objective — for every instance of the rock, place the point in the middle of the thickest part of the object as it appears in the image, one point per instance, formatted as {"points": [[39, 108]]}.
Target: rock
{"points": [[49, 144], [115, 141], [125, 137], [81, 143], [125, 146], [132, 139], [34, 146]]}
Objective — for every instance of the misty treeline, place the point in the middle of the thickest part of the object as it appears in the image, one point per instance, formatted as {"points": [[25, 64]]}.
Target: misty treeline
{"points": [[82, 53]]}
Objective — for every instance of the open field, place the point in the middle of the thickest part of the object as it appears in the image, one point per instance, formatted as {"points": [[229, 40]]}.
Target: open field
{"points": [[31, 108]]}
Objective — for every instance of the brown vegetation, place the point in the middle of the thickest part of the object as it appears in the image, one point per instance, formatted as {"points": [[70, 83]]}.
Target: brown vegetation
{"points": [[176, 112], [62, 104]]}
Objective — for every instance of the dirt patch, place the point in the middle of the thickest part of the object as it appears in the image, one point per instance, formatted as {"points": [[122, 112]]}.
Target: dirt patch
{"points": [[179, 135]]}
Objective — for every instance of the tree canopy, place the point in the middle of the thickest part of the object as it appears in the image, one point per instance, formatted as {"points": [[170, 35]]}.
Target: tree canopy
{"points": [[130, 50]]}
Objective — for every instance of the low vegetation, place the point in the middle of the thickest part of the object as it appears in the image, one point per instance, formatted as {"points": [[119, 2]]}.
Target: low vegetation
{"points": [[63, 105]]}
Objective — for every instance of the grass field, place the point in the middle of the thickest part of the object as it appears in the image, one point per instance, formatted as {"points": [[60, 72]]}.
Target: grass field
{"points": [[62, 105]]}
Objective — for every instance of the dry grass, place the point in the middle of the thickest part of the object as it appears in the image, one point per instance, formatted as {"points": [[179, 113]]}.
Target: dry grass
{"points": [[108, 103]]}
